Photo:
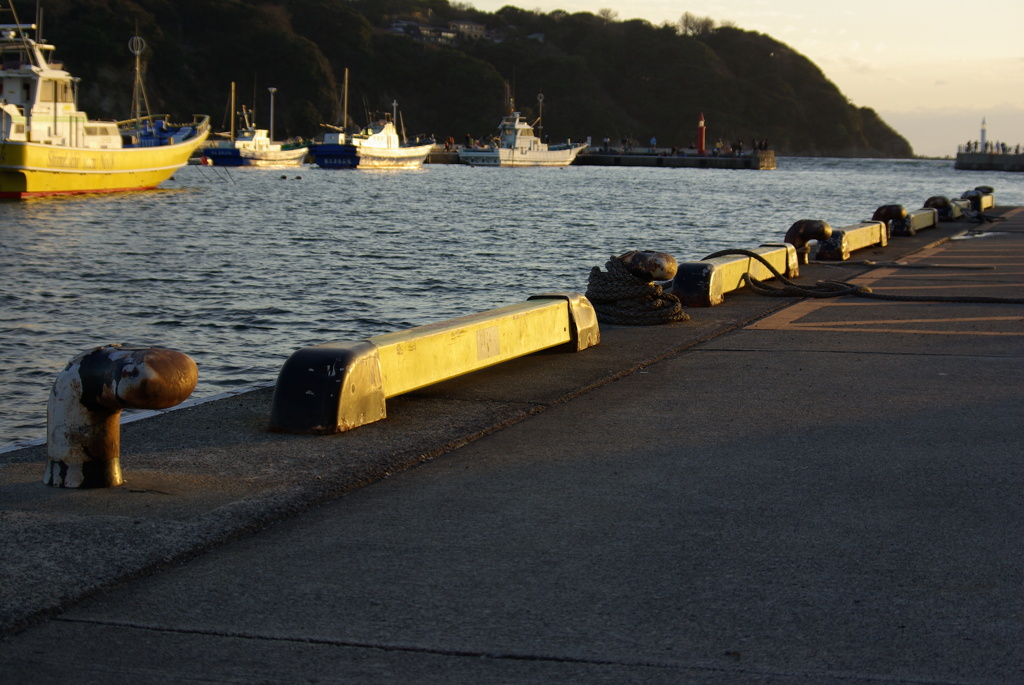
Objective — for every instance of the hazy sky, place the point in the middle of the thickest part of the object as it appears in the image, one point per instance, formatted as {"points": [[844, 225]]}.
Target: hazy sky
{"points": [[932, 70]]}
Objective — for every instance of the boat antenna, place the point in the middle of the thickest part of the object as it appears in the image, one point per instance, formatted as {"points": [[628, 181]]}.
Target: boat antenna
{"points": [[17, 24], [540, 116], [139, 100]]}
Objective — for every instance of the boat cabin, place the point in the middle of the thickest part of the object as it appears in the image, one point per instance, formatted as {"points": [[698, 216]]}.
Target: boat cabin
{"points": [[38, 98], [380, 134], [516, 133]]}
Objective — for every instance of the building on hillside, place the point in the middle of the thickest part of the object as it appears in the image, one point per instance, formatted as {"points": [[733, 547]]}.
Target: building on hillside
{"points": [[468, 30]]}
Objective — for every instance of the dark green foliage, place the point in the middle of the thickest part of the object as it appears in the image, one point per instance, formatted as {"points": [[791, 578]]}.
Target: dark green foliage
{"points": [[600, 77]]}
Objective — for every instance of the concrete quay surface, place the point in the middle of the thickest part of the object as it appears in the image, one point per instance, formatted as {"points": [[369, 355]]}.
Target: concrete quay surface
{"points": [[780, 490]]}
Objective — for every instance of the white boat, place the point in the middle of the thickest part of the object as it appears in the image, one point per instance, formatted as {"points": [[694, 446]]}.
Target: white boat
{"points": [[50, 147], [251, 147], [517, 145], [379, 147]]}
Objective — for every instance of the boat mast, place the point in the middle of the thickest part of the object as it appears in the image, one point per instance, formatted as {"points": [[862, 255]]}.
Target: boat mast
{"points": [[394, 114], [344, 103], [540, 116], [21, 31], [136, 45], [232, 111]]}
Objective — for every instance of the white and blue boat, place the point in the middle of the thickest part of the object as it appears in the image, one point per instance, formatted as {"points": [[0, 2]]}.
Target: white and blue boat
{"points": [[334, 152], [377, 146], [517, 145], [251, 146]]}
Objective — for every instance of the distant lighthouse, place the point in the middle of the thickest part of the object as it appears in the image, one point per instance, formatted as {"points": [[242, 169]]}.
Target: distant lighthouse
{"points": [[984, 130]]}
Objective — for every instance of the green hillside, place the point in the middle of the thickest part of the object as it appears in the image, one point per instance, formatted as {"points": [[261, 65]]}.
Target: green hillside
{"points": [[599, 76]]}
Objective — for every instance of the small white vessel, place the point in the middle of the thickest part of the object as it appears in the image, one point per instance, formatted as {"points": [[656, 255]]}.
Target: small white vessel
{"points": [[517, 145], [251, 146], [378, 146]]}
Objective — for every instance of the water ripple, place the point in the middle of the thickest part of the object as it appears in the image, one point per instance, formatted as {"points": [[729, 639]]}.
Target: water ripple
{"points": [[240, 269]]}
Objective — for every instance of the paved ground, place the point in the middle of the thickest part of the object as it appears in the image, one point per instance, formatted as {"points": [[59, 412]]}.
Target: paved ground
{"points": [[778, 491]]}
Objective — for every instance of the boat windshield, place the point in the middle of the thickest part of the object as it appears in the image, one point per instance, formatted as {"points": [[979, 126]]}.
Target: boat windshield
{"points": [[17, 51], [13, 56]]}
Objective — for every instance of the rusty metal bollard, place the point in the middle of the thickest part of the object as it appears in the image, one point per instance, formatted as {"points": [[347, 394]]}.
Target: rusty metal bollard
{"points": [[802, 232], [83, 430]]}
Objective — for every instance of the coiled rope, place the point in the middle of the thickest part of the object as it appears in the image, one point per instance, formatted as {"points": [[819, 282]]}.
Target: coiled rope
{"points": [[619, 297], [824, 289]]}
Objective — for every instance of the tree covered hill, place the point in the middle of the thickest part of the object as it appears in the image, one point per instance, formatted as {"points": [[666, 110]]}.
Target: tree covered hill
{"points": [[599, 76]]}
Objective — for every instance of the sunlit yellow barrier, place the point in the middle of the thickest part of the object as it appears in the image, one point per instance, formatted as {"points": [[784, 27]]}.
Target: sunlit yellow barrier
{"points": [[335, 387], [849, 239], [927, 217], [958, 209], [705, 283], [981, 198], [949, 210]]}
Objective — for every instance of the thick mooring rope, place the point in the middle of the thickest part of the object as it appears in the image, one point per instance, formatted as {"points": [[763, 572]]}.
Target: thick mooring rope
{"points": [[839, 288], [619, 297]]}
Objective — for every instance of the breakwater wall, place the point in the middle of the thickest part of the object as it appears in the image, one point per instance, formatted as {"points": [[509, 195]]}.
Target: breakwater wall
{"points": [[983, 161], [757, 159]]}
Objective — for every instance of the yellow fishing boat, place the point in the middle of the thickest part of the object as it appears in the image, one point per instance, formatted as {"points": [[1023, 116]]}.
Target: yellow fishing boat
{"points": [[50, 147]]}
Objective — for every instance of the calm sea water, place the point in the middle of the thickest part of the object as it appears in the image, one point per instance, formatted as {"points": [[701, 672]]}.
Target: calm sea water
{"points": [[240, 268]]}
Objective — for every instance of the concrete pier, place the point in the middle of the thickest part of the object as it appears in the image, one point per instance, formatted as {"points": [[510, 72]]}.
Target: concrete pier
{"points": [[982, 161], [757, 159], [779, 490]]}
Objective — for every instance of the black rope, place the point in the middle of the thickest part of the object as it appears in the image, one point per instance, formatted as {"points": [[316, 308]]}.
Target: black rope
{"points": [[916, 265], [823, 289], [619, 297]]}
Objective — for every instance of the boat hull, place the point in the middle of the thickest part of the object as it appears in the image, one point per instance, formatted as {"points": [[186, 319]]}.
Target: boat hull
{"points": [[511, 157], [344, 156], [331, 156], [31, 169], [226, 156], [391, 158]]}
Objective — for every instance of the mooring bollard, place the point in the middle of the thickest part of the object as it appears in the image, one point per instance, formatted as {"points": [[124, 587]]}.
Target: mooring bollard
{"points": [[926, 217], [949, 210], [804, 231], [83, 430], [704, 283], [848, 239], [888, 214], [981, 198]]}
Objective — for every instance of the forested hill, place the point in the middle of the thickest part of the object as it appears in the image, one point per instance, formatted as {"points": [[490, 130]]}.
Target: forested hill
{"points": [[600, 76]]}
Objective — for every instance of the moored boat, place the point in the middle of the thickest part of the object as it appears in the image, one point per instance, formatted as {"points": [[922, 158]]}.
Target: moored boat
{"points": [[334, 152], [517, 145], [50, 147], [377, 146], [251, 146]]}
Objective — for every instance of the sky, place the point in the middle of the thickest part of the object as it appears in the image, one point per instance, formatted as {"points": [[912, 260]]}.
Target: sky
{"points": [[932, 70]]}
